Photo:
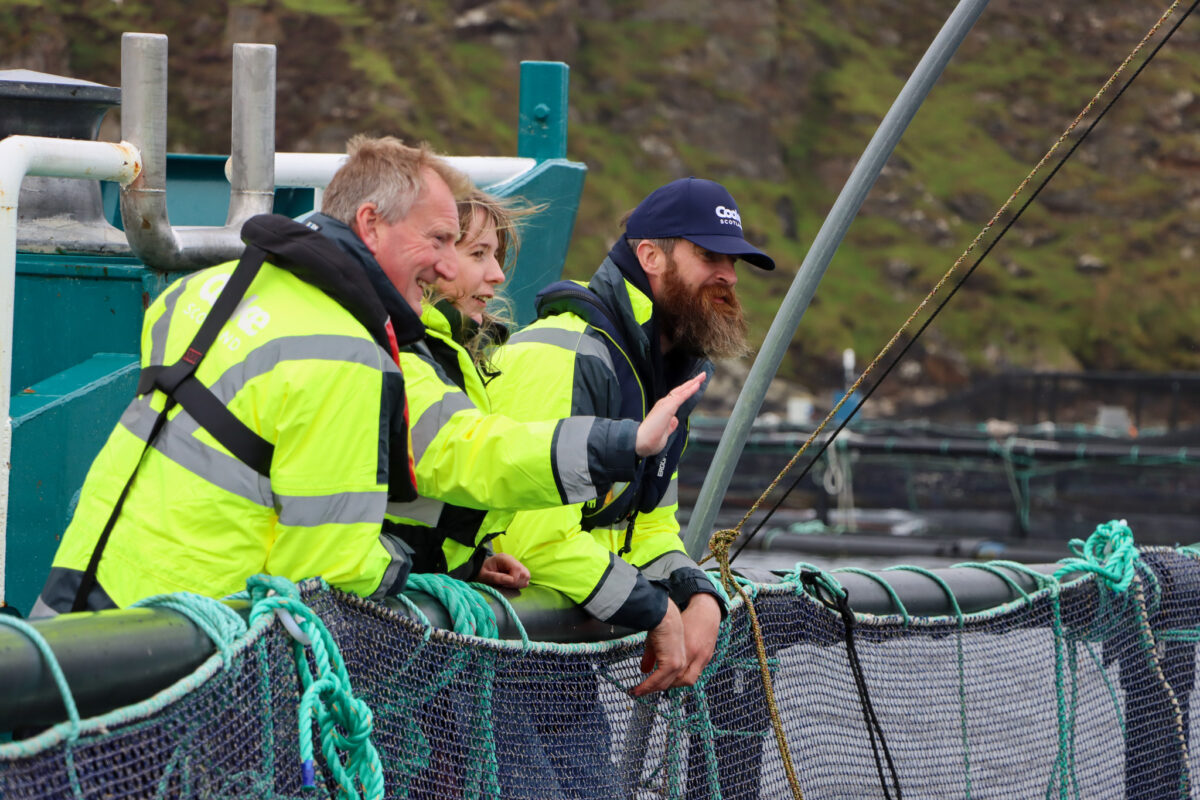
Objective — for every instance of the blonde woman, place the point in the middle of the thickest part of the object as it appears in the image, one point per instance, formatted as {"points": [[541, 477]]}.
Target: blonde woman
{"points": [[463, 319]]}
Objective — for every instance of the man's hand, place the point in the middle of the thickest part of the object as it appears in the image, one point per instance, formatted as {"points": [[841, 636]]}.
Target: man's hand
{"points": [[664, 653], [503, 572], [701, 623], [660, 423]]}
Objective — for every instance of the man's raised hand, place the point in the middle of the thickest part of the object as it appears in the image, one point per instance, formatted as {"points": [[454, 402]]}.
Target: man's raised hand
{"points": [[660, 423]]}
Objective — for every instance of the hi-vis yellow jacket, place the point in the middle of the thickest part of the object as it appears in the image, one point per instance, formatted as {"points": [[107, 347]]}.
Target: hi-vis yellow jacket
{"points": [[305, 369], [563, 365], [475, 468]]}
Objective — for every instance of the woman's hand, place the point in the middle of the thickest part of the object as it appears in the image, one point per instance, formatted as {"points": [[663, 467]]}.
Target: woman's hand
{"points": [[503, 572]]}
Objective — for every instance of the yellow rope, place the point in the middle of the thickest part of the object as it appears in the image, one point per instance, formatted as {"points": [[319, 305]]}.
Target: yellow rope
{"points": [[721, 541]]}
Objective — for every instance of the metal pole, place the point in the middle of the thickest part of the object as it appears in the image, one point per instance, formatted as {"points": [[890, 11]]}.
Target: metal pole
{"points": [[144, 125], [813, 269]]}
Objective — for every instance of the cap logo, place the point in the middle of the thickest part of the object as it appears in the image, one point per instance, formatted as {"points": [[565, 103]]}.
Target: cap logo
{"points": [[729, 216]]}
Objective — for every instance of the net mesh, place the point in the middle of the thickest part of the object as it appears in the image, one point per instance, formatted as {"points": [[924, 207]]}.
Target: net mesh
{"points": [[1077, 692]]}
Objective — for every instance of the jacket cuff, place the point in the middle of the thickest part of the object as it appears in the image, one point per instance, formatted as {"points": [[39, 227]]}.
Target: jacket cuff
{"points": [[396, 575], [612, 451], [645, 607], [469, 570], [687, 581]]}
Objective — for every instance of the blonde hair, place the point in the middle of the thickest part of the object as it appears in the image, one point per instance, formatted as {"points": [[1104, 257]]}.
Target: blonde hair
{"points": [[505, 214], [386, 172]]}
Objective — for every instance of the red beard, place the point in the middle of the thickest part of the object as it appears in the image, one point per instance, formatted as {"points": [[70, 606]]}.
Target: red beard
{"points": [[704, 322]]}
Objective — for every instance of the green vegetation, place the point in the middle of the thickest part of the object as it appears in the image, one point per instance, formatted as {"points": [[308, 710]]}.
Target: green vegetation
{"points": [[777, 101]]}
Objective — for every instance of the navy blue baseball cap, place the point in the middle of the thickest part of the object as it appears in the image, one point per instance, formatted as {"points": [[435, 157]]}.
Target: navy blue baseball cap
{"points": [[703, 212]]}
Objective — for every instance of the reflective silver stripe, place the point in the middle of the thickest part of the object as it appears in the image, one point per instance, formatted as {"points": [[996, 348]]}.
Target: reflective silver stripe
{"points": [[613, 591], [664, 565], [671, 496], [42, 611], [162, 325], [579, 341], [424, 510], [435, 418], [221, 470], [344, 508], [571, 459], [399, 559], [315, 347]]}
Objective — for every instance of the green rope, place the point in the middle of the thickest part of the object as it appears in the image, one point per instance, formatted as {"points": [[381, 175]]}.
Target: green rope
{"points": [[883, 584], [60, 680], [512, 612], [703, 719], [1113, 694], [469, 613], [825, 580], [220, 622], [1108, 553], [345, 721], [961, 659], [1073, 713], [993, 569], [1062, 763]]}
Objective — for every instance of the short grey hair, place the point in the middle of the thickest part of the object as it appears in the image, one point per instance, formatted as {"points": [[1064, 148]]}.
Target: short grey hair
{"points": [[386, 172]]}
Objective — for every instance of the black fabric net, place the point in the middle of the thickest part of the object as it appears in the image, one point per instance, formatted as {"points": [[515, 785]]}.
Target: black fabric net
{"points": [[1078, 692]]}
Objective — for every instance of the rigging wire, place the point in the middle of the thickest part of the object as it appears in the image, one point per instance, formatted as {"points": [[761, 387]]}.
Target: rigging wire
{"points": [[963, 279]]}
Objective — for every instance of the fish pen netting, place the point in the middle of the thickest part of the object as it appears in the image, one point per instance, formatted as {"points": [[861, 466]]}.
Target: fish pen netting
{"points": [[1077, 691]]}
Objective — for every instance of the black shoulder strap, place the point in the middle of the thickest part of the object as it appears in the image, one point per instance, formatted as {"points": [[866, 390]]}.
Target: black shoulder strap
{"points": [[179, 384]]}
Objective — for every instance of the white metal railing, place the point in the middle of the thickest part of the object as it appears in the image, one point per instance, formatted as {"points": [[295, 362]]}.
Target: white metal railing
{"points": [[56, 158], [315, 170]]}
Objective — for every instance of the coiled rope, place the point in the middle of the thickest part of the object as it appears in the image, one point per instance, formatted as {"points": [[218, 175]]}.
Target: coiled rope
{"points": [[345, 721]]}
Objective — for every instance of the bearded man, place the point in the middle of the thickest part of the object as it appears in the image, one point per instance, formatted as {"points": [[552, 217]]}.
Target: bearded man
{"points": [[658, 309]]}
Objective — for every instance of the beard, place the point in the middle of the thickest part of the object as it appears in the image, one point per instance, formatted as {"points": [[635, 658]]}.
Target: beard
{"points": [[704, 322]]}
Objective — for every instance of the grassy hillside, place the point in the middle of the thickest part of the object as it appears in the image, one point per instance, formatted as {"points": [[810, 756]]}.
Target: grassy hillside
{"points": [[776, 98]]}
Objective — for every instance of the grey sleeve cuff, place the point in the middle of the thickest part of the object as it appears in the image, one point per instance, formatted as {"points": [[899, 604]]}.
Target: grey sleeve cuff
{"points": [[644, 608], [612, 450], [688, 581]]}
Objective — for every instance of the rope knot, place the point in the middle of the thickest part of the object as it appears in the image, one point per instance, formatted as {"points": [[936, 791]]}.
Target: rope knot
{"points": [[829, 592], [1108, 553], [721, 541], [262, 585]]}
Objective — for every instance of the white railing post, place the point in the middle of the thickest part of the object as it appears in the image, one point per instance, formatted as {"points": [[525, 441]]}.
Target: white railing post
{"points": [[57, 158]]}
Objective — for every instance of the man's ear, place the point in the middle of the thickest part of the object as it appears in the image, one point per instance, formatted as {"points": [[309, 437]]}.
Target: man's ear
{"points": [[651, 257], [366, 218]]}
